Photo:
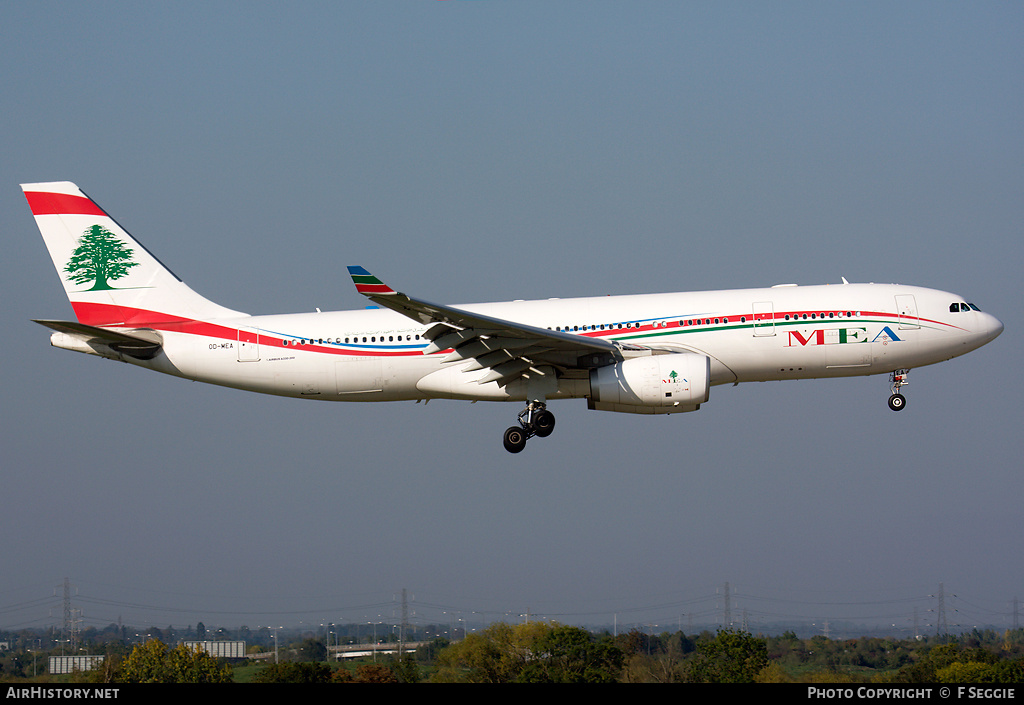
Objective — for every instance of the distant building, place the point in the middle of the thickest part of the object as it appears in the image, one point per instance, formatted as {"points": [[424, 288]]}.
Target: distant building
{"points": [[70, 664], [219, 649]]}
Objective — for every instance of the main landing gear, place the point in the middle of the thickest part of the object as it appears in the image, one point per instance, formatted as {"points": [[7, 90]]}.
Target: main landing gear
{"points": [[898, 378], [534, 420]]}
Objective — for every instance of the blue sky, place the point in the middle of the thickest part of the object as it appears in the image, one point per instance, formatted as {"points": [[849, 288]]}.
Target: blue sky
{"points": [[476, 151]]}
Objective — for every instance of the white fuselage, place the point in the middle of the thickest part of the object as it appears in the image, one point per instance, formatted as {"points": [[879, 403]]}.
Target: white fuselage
{"points": [[786, 332]]}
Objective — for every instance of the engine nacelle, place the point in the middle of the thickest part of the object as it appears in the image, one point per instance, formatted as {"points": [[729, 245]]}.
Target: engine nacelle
{"points": [[656, 384]]}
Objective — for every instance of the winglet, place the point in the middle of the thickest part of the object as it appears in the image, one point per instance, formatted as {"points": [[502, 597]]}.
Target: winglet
{"points": [[368, 284]]}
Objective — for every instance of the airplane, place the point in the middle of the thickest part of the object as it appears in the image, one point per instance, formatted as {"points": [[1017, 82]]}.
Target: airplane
{"points": [[640, 353]]}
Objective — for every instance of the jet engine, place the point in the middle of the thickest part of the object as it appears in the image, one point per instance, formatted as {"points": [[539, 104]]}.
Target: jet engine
{"points": [[655, 384]]}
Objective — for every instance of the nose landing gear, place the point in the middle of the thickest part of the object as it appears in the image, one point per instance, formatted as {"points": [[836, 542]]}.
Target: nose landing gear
{"points": [[534, 420], [898, 378]]}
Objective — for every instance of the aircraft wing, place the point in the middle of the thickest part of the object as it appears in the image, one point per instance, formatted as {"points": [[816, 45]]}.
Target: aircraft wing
{"points": [[141, 343], [509, 349]]}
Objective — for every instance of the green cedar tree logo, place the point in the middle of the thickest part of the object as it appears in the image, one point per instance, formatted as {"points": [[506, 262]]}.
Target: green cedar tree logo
{"points": [[100, 258]]}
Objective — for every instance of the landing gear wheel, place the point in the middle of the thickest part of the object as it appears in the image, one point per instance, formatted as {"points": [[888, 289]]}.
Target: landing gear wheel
{"points": [[515, 439], [543, 423], [898, 379]]}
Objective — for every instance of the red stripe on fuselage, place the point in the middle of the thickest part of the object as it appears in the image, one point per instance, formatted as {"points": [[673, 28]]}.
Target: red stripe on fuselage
{"points": [[107, 315], [43, 203]]}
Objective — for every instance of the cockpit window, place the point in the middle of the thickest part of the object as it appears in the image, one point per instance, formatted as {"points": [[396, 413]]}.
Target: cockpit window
{"points": [[958, 306]]}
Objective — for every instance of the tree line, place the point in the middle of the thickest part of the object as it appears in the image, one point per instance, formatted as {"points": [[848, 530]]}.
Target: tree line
{"points": [[548, 652]]}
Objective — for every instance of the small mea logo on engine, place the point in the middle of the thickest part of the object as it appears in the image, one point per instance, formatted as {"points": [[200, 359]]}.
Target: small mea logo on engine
{"points": [[674, 378]]}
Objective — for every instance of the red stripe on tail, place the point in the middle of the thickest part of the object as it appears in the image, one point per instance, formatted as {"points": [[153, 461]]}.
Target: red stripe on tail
{"points": [[43, 203]]}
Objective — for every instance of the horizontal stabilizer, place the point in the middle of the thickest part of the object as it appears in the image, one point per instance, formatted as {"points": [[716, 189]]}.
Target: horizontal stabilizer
{"points": [[141, 343]]}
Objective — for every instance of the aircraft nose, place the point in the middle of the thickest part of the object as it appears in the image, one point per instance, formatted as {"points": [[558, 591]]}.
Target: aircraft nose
{"points": [[990, 327]]}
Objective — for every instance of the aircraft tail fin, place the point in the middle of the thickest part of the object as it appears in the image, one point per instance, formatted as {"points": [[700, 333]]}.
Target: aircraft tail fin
{"points": [[109, 277]]}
